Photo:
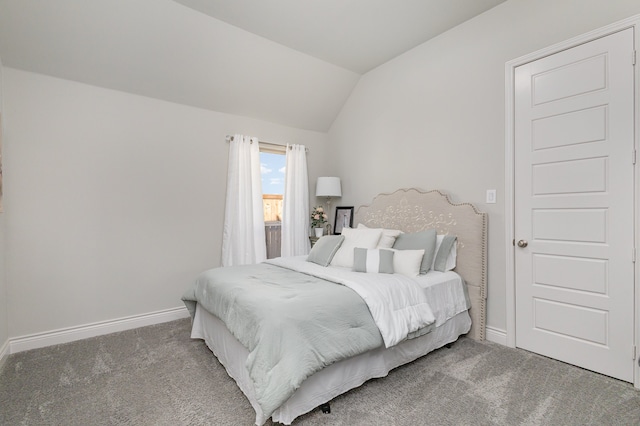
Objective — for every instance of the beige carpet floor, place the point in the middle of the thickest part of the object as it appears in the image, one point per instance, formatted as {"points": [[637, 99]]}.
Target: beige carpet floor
{"points": [[158, 376]]}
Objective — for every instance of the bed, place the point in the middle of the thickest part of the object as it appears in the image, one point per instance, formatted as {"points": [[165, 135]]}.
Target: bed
{"points": [[460, 309]]}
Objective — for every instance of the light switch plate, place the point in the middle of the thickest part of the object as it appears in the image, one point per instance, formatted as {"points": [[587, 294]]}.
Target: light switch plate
{"points": [[491, 196]]}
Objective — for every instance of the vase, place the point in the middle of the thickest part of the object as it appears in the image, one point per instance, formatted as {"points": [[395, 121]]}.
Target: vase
{"points": [[319, 232]]}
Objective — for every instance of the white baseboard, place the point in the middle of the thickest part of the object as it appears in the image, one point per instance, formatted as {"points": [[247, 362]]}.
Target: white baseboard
{"points": [[4, 353], [71, 334], [496, 335]]}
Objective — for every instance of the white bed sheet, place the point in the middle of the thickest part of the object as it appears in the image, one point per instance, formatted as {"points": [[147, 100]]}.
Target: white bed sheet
{"points": [[446, 293], [447, 296]]}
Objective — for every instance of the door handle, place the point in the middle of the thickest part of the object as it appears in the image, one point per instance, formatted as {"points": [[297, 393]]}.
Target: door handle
{"points": [[522, 243]]}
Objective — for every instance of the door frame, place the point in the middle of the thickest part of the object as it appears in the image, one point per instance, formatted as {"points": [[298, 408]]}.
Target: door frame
{"points": [[632, 22]]}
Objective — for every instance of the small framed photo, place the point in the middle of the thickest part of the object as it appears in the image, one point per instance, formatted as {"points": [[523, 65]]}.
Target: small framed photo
{"points": [[344, 219]]}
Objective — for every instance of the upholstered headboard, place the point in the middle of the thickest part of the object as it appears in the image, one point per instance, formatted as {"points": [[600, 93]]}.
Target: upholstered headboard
{"points": [[412, 210]]}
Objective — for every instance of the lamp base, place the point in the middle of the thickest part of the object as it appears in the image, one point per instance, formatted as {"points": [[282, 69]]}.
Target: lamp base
{"points": [[328, 225]]}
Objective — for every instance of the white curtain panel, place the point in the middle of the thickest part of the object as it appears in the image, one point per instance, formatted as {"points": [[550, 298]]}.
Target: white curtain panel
{"points": [[243, 237], [295, 205]]}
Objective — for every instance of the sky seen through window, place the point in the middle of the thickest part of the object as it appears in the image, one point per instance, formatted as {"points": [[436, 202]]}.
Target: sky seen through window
{"points": [[272, 168]]}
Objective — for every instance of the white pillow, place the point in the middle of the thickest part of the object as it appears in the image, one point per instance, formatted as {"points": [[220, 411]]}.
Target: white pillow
{"points": [[388, 236], [407, 262], [363, 238], [451, 258]]}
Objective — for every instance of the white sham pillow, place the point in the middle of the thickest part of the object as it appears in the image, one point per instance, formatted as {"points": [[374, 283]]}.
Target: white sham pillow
{"points": [[362, 238], [407, 262], [451, 257], [388, 236]]}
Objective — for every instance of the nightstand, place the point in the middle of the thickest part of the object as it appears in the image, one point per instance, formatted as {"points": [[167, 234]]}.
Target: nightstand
{"points": [[313, 240]]}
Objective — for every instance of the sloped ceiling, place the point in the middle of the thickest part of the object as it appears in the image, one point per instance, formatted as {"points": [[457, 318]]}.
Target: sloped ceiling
{"points": [[284, 61], [357, 35]]}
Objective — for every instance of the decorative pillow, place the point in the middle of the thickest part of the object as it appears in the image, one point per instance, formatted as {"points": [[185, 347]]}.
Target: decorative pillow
{"points": [[324, 249], [423, 240], [407, 262], [363, 238], [388, 236], [373, 260], [446, 252]]}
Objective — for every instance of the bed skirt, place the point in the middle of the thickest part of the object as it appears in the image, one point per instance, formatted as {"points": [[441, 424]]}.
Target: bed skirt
{"points": [[331, 381]]}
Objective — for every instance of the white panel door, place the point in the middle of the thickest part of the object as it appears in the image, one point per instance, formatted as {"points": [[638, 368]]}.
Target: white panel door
{"points": [[574, 205]]}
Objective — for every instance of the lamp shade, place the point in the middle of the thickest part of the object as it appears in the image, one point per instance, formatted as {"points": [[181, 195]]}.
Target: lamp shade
{"points": [[328, 187]]}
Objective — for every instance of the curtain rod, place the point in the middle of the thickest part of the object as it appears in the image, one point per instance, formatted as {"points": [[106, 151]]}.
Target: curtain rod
{"points": [[229, 138]]}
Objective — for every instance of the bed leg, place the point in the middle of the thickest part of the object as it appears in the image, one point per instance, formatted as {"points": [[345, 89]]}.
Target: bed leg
{"points": [[326, 408], [448, 345]]}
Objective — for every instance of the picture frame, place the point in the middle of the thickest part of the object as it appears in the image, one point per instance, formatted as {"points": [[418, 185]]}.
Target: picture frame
{"points": [[343, 218]]}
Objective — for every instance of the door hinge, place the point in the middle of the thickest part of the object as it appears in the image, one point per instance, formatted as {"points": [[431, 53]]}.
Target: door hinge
{"points": [[633, 58], [633, 255], [634, 156], [633, 352]]}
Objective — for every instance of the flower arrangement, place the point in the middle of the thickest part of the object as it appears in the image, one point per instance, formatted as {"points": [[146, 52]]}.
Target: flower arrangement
{"points": [[318, 217]]}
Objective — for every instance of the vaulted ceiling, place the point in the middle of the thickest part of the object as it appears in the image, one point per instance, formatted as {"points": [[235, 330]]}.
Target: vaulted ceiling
{"points": [[290, 62]]}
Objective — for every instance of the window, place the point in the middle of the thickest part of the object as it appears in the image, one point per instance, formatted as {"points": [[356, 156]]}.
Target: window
{"points": [[272, 167]]}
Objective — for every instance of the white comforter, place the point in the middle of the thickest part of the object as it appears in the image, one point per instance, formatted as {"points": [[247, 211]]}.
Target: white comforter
{"points": [[397, 303]]}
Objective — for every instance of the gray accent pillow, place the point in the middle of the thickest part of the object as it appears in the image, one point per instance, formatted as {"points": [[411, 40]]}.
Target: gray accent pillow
{"points": [[324, 249], [440, 264], [423, 240], [373, 260]]}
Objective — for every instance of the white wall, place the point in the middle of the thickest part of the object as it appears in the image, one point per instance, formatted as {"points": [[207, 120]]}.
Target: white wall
{"points": [[433, 118], [4, 305], [115, 202]]}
